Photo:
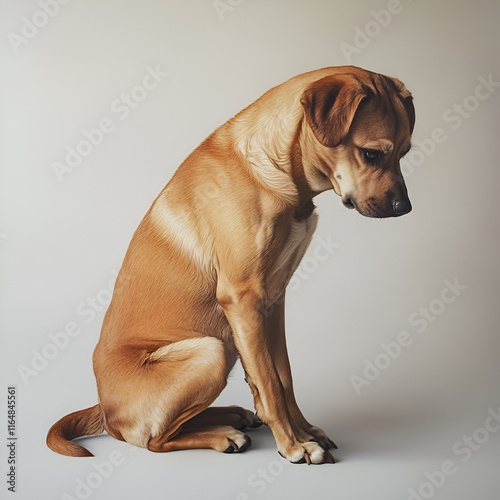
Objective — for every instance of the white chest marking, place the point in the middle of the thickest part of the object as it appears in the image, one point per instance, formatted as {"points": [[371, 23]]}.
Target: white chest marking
{"points": [[298, 241]]}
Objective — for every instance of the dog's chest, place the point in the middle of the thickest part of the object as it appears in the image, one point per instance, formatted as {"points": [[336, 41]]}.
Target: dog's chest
{"points": [[290, 254]]}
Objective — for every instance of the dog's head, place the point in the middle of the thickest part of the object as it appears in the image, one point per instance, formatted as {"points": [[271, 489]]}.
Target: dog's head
{"points": [[362, 124]]}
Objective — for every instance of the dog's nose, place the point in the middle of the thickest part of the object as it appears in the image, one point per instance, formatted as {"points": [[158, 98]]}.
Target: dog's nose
{"points": [[401, 207]]}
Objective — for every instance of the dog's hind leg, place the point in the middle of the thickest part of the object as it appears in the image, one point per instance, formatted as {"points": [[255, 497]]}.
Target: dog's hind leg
{"points": [[234, 416], [218, 428], [146, 401], [224, 438]]}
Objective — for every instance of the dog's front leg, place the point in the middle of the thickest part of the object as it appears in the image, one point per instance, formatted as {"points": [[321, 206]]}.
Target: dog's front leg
{"points": [[244, 306], [279, 353]]}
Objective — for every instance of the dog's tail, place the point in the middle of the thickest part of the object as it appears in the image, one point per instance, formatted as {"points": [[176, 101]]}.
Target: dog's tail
{"points": [[81, 423]]}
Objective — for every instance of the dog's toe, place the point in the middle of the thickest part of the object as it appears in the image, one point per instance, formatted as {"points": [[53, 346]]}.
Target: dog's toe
{"points": [[257, 422], [230, 448]]}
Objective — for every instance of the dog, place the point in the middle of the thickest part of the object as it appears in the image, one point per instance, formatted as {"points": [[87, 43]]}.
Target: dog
{"points": [[203, 281]]}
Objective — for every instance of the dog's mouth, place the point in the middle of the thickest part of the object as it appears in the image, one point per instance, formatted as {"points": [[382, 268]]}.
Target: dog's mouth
{"points": [[367, 209], [370, 208]]}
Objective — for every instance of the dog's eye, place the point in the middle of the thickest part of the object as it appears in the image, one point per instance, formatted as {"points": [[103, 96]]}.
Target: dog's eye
{"points": [[372, 155]]}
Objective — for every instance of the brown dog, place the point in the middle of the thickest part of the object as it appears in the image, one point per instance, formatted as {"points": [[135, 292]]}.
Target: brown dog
{"points": [[204, 278]]}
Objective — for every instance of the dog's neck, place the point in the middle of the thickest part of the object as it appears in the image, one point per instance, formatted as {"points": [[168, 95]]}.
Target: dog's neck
{"points": [[280, 154]]}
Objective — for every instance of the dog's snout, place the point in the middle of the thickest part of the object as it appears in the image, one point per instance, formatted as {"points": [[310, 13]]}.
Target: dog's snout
{"points": [[401, 207], [349, 202]]}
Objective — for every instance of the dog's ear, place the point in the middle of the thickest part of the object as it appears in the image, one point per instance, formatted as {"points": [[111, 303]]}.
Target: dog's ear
{"points": [[330, 105], [407, 100]]}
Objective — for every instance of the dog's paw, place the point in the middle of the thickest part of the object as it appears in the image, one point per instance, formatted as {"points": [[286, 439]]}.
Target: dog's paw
{"points": [[241, 418], [236, 442], [307, 453], [320, 437]]}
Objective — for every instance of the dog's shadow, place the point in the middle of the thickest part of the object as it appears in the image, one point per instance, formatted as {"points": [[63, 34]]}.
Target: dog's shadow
{"points": [[387, 432], [390, 431]]}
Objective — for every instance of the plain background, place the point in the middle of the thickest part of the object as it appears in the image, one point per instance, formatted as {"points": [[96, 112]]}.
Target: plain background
{"points": [[61, 241]]}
